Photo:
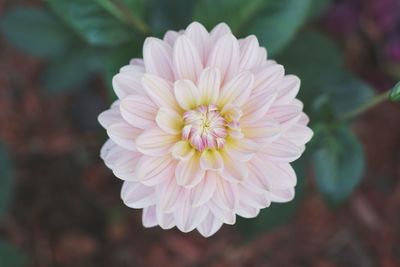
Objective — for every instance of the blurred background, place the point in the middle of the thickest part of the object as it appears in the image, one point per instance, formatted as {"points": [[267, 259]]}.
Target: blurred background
{"points": [[60, 205]]}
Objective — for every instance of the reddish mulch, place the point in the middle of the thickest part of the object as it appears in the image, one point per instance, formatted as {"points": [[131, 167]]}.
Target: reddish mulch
{"points": [[67, 211]]}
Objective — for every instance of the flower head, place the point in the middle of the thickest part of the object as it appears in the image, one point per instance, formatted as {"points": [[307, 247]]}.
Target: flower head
{"points": [[204, 129]]}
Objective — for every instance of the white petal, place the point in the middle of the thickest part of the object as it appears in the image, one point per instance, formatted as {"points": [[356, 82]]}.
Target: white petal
{"points": [[186, 59], [157, 56], [182, 150], [155, 142], [165, 220], [209, 226], [286, 115], [169, 120], [241, 149], [226, 195], [282, 196], [209, 86], [124, 135], [249, 56], [124, 167], [187, 94], [271, 176], [110, 116], [226, 216], [225, 55], [257, 106], [132, 70], [298, 134], [262, 132], [218, 31], [246, 211], [149, 217], [237, 91], [304, 119], [188, 218], [138, 111], [111, 152], [199, 37], [211, 160], [169, 194], [170, 37], [137, 62], [253, 199], [160, 91], [154, 170], [203, 192], [281, 150], [188, 172], [128, 83], [234, 170], [137, 196], [288, 88], [267, 78]]}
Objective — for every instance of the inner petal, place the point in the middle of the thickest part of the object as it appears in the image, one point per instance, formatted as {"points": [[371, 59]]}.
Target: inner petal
{"points": [[205, 127]]}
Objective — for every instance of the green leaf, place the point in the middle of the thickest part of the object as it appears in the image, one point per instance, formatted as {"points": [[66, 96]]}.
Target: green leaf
{"points": [[233, 12], [318, 7], [178, 15], [94, 23], [338, 162], [395, 93], [35, 31], [7, 182], [68, 72], [10, 256], [318, 63], [136, 7], [278, 22], [278, 213]]}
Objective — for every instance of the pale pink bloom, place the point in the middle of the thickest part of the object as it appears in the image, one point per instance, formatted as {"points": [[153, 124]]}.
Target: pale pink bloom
{"points": [[204, 129]]}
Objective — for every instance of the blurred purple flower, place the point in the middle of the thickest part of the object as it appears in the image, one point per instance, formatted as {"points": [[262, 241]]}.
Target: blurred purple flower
{"points": [[342, 18], [392, 49], [385, 14]]}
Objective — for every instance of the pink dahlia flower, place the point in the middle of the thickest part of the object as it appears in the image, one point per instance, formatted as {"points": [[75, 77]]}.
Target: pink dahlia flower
{"points": [[204, 129]]}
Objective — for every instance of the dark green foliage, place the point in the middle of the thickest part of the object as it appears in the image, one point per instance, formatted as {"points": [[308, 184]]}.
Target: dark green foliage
{"points": [[318, 63], [73, 69], [338, 161], [35, 31], [93, 22], [6, 180], [11, 256]]}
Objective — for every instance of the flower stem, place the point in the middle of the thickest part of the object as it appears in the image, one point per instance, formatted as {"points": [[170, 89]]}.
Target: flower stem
{"points": [[121, 12], [376, 100]]}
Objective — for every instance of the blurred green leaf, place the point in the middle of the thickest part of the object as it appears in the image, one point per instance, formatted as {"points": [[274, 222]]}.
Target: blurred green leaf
{"points": [[92, 21], [338, 162], [318, 7], [395, 93], [35, 31], [170, 15], [73, 69], [278, 22], [233, 12], [11, 256], [6, 181], [137, 7], [324, 76], [278, 213]]}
